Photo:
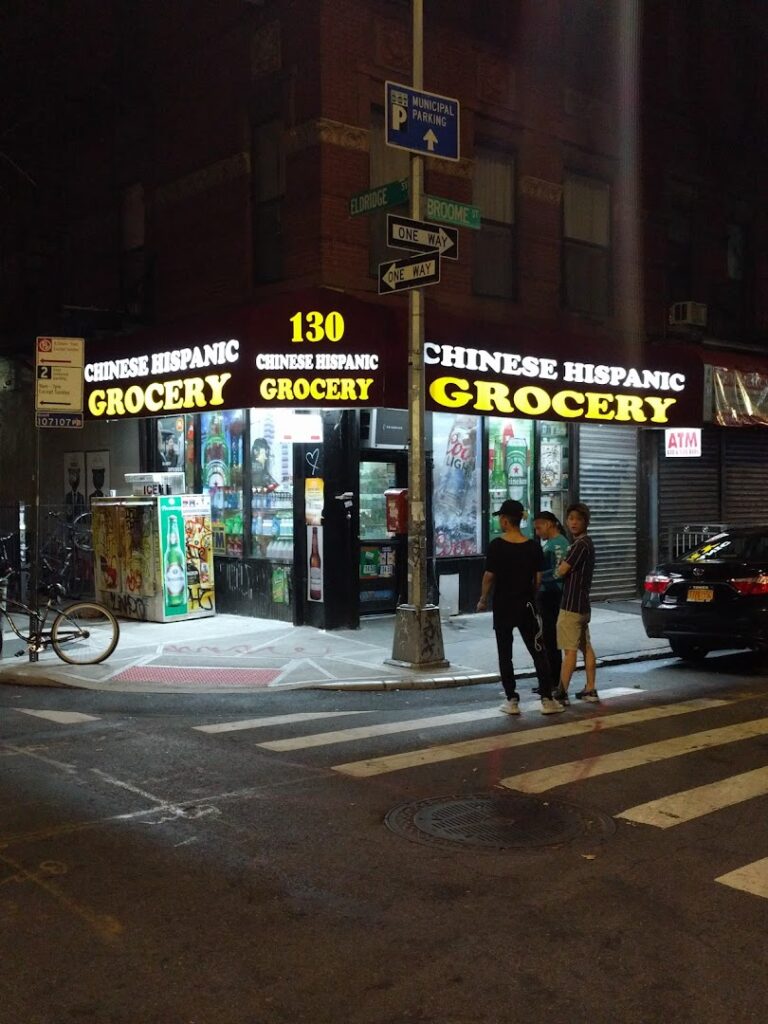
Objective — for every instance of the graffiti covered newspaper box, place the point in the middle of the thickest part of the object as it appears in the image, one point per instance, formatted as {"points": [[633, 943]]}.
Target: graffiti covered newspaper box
{"points": [[153, 556]]}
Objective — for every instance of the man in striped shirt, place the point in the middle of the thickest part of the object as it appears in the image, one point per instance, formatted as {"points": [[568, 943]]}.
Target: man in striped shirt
{"points": [[575, 610]]}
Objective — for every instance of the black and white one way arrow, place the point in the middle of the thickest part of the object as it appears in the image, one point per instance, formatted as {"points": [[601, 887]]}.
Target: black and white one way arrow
{"points": [[411, 272], [422, 236]]}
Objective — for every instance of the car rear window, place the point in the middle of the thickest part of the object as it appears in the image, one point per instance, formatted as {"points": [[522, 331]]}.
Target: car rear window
{"points": [[731, 547]]}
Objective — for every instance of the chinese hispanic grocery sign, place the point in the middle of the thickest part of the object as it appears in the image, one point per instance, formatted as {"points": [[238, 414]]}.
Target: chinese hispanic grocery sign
{"points": [[323, 349], [589, 387], [314, 349]]}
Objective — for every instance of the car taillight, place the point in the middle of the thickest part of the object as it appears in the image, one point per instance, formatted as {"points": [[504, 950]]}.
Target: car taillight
{"points": [[655, 583], [752, 586]]}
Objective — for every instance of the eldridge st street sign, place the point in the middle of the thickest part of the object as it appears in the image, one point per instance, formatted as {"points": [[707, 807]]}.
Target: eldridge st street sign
{"points": [[421, 236]]}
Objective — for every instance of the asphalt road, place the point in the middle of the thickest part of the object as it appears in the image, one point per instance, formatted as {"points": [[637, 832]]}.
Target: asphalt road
{"points": [[156, 872]]}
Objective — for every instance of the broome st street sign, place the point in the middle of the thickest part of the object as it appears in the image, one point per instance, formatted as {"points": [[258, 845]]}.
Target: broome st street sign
{"points": [[449, 211], [420, 236], [412, 272]]}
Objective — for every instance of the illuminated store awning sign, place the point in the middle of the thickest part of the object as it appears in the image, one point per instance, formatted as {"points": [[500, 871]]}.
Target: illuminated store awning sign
{"points": [[345, 353], [493, 383], [314, 358], [191, 379]]}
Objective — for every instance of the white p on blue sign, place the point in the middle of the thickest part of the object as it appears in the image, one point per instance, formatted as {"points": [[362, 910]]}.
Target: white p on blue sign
{"points": [[422, 122]]}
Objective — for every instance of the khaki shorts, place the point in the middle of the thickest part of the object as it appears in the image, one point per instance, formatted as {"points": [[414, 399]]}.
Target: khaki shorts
{"points": [[573, 631]]}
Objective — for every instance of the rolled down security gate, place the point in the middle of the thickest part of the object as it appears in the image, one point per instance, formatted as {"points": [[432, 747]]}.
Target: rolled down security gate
{"points": [[745, 471], [608, 484]]}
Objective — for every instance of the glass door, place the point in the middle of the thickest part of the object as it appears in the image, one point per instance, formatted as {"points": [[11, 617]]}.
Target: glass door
{"points": [[381, 555]]}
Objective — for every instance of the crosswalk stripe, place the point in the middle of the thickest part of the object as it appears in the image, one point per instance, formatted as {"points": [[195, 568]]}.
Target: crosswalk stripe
{"points": [[752, 878], [323, 739], [504, 741], [695, 803], [389, 728], [259, 723], [649, 753], [61, 717]]}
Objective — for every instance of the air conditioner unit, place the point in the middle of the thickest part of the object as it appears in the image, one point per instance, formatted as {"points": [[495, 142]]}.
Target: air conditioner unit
{"points": [[688, 314]]}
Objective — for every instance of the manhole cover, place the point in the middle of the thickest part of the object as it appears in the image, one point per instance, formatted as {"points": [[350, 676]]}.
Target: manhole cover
{"points": [[499, 822]]}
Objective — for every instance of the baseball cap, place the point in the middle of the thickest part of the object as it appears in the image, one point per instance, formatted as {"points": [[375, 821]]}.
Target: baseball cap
{"points": [[510, 508], [549, 516]]}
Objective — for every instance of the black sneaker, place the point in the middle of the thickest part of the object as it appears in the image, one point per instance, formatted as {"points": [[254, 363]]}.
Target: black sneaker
{"points": [[561, 697], [591, 696]]}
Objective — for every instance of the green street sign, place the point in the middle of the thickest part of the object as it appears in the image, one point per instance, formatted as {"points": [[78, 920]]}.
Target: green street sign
{"points": [[394, 193], [448, 211]]}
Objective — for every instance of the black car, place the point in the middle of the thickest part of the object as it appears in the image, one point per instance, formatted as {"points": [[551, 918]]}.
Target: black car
{"points": [[713, 597]]}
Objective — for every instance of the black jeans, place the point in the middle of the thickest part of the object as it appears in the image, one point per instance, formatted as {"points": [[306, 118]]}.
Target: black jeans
{"points": [[526, 620], [549, 608]]}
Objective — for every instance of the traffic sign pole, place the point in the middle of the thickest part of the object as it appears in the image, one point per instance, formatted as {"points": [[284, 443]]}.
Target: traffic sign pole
{"points": [[418, 639]]}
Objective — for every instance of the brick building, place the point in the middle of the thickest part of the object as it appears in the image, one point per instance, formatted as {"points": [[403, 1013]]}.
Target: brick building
{"points": [[166, 164]]}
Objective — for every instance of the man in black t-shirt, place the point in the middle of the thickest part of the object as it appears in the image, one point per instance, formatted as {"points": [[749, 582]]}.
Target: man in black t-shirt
{"points": [[513, 570]]}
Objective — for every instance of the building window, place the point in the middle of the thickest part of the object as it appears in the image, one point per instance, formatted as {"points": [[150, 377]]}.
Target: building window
{"points": [[493, 191], [679, 258], [268, 176], [386, 164], [134, 264], [587, 245]]}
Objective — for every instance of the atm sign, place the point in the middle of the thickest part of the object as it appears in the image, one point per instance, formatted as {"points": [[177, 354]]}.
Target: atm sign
{"points": [[683, 444]]}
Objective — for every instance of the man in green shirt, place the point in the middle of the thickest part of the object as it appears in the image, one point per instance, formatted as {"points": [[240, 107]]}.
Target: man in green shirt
{"points": [[549, 530]]}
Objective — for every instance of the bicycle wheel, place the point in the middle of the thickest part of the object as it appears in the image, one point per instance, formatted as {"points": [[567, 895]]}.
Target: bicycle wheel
{"points": [[85, 634], [82, 532]]}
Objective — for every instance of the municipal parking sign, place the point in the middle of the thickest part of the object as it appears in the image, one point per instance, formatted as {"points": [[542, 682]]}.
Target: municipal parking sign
{"points": [[422, 122]]}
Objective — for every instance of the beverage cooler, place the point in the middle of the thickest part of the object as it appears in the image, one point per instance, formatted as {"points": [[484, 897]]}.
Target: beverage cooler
{"points": [[153, 556]]}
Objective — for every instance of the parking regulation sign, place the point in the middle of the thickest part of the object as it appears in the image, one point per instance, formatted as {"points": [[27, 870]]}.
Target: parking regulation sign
{"points": [[422, 122], [59, 375]]}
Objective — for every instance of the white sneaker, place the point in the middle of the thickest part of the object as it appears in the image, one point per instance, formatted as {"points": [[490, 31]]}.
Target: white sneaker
{"points": [[551, 707], [510, 707]]}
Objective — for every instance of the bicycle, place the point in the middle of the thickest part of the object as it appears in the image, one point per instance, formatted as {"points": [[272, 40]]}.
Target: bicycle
{"points": [[63, 561], [84, 633]]}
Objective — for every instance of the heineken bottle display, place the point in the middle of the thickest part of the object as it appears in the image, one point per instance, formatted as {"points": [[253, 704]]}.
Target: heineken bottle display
{"points": [[516, 465], [216, 454], [174, 567]]}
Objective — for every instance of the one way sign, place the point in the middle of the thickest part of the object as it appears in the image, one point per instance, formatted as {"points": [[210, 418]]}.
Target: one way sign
{"points": [[421, 236], [412, 272]]}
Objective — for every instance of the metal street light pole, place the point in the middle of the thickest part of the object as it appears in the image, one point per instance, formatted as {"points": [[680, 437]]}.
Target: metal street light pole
{"points": [[418, 639]]}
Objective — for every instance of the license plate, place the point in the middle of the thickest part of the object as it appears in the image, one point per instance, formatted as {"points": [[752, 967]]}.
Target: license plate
{"points": [[701, 594]]}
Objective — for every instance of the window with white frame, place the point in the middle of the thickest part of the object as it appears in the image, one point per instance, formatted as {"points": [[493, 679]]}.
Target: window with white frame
{"points": [[587, 245], [268, 175], [494, 270]]}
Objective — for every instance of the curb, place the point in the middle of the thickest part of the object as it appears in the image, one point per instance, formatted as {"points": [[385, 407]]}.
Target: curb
{"points": [[414, 682], [476, 679]]}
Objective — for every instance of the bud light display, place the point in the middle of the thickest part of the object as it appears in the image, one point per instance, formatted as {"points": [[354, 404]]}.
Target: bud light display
{"points": [[456, 484]]}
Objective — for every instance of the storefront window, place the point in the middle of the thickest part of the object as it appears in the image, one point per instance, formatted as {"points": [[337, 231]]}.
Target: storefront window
{"points": [[221, 457], [456, 484], [510, 468], [272, 484], [554, 468], [176, 447]]}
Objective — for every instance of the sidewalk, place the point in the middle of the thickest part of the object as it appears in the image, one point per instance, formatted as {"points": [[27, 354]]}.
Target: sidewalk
{"points": [[229, 652]]}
